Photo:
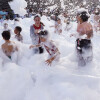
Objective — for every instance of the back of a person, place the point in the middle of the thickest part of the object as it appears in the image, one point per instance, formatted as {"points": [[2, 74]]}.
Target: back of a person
{"points": [[8, 49], [84, 28]]}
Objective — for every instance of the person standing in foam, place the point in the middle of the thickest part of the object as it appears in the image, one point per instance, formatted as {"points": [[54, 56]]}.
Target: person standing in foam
{"points": [[18, 35], [85, 32], [34, 30], [58, 26], [53, 52], [8, 47]]}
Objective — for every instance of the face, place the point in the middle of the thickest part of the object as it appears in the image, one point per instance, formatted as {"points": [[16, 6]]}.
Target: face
{"points": [[5, 26], [78, 18], [37, 20], [59, 21], [16, 31]]}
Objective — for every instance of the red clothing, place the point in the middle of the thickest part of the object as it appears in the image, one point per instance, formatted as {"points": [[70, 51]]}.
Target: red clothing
{"points": [[37, 28]]}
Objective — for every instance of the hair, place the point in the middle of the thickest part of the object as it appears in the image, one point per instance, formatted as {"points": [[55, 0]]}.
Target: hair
{"points": [[58, 19], [42, 23], [18, 28], [84, 16], [7, 17], [36, 16], [6, 35], [16, 20], [44, 33], [96, 13], [3, 8]]}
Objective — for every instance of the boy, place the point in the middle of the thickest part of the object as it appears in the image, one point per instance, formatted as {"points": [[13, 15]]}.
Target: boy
{"points": [[8, 47], [52, 50], [17, 31]]}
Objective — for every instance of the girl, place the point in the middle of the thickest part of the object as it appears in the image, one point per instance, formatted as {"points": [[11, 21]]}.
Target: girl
{"points": [[34, 30]]}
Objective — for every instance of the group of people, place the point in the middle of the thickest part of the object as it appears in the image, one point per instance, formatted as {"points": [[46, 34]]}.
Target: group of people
{"points": [[40, 39], [3, 15]]}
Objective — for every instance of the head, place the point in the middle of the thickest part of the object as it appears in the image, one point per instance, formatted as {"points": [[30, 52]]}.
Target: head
{"points": [[43, 36], [5, 26], [58, 20], [16, 20], [6, 35], [96, 12], [17, 30], [82, 16], [3, 9], [68, 22], [7, 17], [37, 19]]}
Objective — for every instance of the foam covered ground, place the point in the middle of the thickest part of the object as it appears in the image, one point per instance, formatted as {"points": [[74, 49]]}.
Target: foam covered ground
{"points": [[32, 79]]}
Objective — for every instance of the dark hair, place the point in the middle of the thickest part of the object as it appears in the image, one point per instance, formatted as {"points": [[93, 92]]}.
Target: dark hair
{"points": [[16, 19], [96, 13], [6, 35], [36, 16], [18, 28], [43, 33], [7, 17], [84, 16], [58, 19], [42, 23]]}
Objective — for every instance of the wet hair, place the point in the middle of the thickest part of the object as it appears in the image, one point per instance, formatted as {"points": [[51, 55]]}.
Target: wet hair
{"points": [[43, 33], [84, 16], [18, 28], [6, 35]]}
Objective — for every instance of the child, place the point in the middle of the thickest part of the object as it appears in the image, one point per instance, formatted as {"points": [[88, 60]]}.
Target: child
{"points": [[8, 47], [58, 26], [49, 46], [68, 26], [34, 30], [17, 31]]}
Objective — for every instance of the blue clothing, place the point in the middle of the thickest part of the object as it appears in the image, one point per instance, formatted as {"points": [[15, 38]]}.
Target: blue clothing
{"points": [[3, 14]]}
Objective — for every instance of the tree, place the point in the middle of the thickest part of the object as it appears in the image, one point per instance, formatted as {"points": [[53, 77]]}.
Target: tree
{"points": [[41, 4]]}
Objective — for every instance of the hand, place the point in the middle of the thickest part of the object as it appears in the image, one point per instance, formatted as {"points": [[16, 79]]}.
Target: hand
{"points": [[32, 46], [49, 62]]}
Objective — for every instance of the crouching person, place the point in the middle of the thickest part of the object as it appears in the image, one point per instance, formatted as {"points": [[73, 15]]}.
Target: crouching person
{"points": [[8, 47], [50, 47]]}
